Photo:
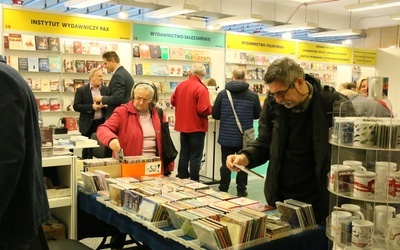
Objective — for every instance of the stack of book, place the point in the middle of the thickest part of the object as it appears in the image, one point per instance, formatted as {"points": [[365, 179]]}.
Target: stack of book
{"points": [[298, 214]]}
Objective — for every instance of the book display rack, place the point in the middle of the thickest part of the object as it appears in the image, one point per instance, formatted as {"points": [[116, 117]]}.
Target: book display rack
{"points": [[363, 182], [54, 67]]}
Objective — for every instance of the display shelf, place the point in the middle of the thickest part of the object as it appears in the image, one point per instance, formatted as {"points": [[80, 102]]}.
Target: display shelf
{"points": [[372, 142], [64, 208]]}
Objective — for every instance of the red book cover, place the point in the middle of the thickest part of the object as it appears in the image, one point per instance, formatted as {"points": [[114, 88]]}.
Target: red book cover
{"points": [[70, 123], [77, 47]]}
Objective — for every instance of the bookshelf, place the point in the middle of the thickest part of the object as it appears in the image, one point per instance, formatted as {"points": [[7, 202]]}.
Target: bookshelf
{"points": [[63, 202], [54, 67]]}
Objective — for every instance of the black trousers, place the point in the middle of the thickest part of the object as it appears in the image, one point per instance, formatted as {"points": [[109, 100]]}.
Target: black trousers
{"points": [[87, 153], [241, 178]]}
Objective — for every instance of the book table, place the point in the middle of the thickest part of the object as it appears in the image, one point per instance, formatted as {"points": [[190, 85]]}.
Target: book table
{"points": [[159, 235]]}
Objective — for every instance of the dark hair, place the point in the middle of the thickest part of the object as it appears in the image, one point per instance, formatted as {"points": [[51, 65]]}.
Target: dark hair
{"points": [[285, 70], [109, 55]]}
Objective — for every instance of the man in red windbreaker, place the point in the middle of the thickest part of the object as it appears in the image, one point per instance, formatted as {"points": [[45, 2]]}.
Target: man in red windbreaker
{"points": [[192, 107]]}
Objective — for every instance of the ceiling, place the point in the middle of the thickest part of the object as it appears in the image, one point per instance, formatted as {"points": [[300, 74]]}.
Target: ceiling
{"points": [[327, 14]]}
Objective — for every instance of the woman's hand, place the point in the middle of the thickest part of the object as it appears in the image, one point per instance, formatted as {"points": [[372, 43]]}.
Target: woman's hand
{"points": [[114, 145]]}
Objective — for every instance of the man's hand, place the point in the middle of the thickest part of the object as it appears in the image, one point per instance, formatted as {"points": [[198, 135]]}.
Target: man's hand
{"points": [[97, 99], [97, 106], [236, 159]]}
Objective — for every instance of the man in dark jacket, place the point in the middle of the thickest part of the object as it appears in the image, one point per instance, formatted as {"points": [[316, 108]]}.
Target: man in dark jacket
{"points": [[293, 136], [247, 107], [92, 114], [24, 206], [121, 83]]}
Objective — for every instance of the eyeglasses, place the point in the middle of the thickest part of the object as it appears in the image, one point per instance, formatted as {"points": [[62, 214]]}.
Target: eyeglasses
{"points": [[139, 99], [281, 94]]}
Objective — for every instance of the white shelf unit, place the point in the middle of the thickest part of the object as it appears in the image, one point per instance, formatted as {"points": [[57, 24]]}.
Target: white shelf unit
{"points": [[64, 208]]}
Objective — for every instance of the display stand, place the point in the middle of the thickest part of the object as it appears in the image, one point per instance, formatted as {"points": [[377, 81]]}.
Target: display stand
{"points": [[212, 180], [364, 198]]}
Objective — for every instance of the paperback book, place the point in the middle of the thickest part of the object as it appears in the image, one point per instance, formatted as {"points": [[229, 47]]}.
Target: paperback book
{"points": [[44, 64], [54, 43], [41, 43], [15, 41], [28, 42]]}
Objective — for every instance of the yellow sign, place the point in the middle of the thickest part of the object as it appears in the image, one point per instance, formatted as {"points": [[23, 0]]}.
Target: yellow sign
{"points": [[321, 52], [365, 57], [260, 44], [44, 22]]}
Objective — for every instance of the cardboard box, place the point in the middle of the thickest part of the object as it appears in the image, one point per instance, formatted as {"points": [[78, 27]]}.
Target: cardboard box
{"points": [[141, 169], [113, 170], [52, 233]]}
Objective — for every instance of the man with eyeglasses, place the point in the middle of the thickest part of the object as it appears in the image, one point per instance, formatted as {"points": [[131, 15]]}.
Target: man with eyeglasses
{"points": [[293, 136]]}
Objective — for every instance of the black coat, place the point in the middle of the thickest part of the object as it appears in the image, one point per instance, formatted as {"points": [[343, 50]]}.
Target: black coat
{"points": [[272, 134], [119, 90], [24, 204], [83, 103]]}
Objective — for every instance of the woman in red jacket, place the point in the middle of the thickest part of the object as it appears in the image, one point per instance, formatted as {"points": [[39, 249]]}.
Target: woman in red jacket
{"points": [[135, 126]]}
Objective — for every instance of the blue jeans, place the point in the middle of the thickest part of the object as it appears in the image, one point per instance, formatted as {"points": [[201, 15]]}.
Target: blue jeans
{"points": [[241, 177], [192, 146]]}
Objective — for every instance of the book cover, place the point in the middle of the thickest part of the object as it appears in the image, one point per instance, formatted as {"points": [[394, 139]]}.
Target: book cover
{"points": [[80, 66], [90, 64], [207, 56], [13, 62], [53, 43], [55, 64], [6, 43], [44, 64], [33, 64], [94, 48], [68, 86], [207, 75], [136, 52], [78, 83], [41, 43], [68, 103], [36, 85], [112, 47], [23, 64], [29, 82], [144, 51], [45, 83], [103, 48], [188, 54], [70, 123], [46, 134], [15, 41], [28, 42], [177, 53], [86, 48], [173, 86], [186, 69], [54, 104], [155, 51], [77, 47], [164, 52], [44, 105], [68, 46], [55, 85], [69, 66]]}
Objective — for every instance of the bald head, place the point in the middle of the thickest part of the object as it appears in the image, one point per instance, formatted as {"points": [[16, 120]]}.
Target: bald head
{"points": [[239, 75]]}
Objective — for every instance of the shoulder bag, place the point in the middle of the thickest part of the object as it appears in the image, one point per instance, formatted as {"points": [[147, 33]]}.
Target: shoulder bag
{"points": [[248, 135], [169, 151]]}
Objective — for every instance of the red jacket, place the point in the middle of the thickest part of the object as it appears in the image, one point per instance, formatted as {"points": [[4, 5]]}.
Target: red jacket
{"points": [[125, 125], [192, 106]]}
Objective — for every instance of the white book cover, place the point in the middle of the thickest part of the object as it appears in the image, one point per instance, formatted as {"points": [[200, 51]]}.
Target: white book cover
{"points": [[45, 82], [33, 64], [28, 42]]}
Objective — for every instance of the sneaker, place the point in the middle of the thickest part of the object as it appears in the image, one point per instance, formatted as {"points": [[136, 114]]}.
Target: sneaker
{"points": [[242, 193]]}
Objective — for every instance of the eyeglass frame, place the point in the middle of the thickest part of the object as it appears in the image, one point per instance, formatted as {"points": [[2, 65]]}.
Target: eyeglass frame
{"points": [[141, 99], [279, 94]]}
